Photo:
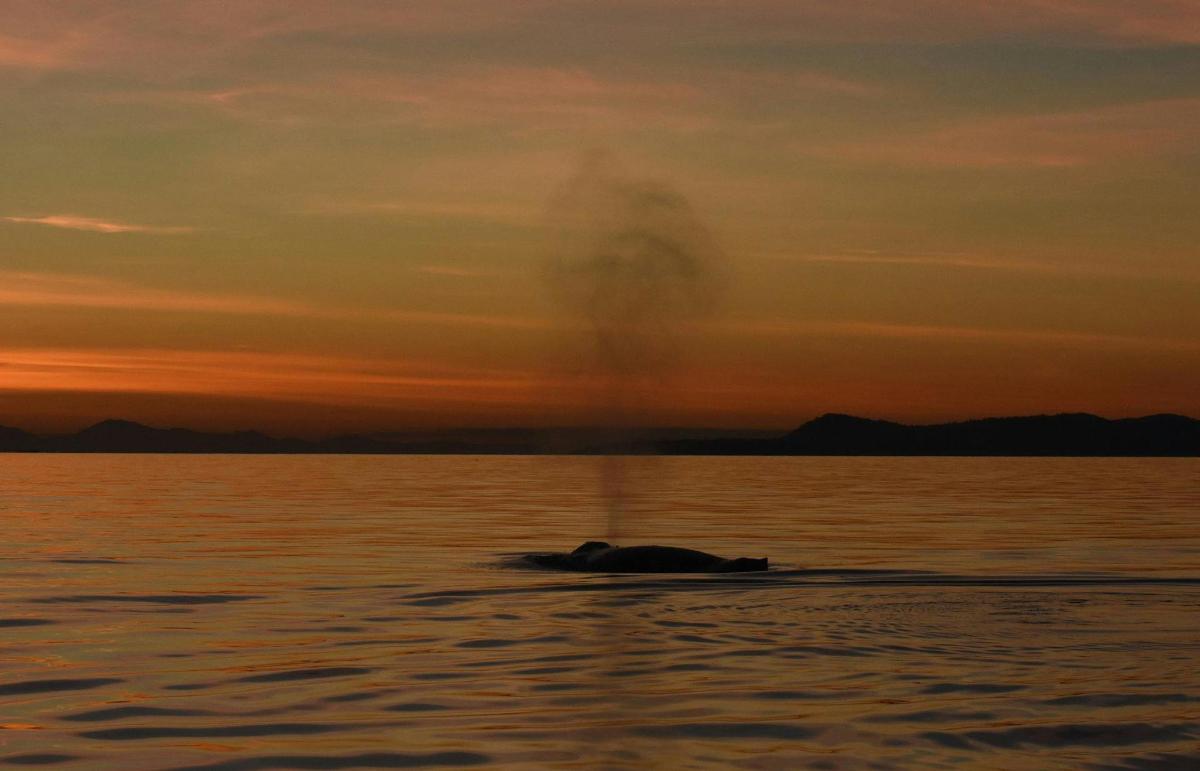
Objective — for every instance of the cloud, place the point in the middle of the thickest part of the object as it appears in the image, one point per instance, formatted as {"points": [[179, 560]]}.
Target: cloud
{"points": [[482, 211], [453, 319], [30, 54], [1050, 140], [768, 84], [538, 97], [983, 263], [167, 42], [946, 260], [310, 378], [1115, 22], [935, 332], [95, 225], [1158, 21], [48, 289], [33, 289], [451, 271]]}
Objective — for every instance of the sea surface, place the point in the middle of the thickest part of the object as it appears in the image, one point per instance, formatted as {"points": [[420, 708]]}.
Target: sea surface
{"points": [[341, 612]]}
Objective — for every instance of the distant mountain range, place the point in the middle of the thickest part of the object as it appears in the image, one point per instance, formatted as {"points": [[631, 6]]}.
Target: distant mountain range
{"points": [[1073, 434], [127, 436]]}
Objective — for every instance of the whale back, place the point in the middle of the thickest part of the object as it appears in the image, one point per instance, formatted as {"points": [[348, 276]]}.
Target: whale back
{"points": [[652, 559], [601, 557], [589, 547], [556, 561]]}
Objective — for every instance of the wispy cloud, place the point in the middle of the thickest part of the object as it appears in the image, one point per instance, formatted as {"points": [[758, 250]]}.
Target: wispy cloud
{"points": [[33, 54], [94, 224], [788, 83], [340, 381], [482, 211], [160, 38], [998, 263], [452, 271], [454, 319], [1117, 22], [1051, 140], [196, 34], [1160, 21], [48, 289], [309, 378], [936, 332], [932, 259], [33, 289], [537, 97]]}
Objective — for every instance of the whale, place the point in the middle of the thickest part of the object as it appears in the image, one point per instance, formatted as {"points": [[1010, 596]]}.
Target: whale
{"points": [[601, 557]]}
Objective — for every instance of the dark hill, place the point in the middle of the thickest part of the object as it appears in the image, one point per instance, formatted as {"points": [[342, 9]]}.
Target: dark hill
{"points": [[1073, 434], [127, 436], [836, 434], [16, 440]]}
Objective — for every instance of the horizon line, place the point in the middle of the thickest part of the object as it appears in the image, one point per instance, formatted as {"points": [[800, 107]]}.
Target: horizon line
{"points": [[583, 427]]}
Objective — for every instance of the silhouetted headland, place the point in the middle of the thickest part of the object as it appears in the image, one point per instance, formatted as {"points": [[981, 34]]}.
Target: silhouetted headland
{"points": [[600, 557], [1070, 434], [1074, 434]]}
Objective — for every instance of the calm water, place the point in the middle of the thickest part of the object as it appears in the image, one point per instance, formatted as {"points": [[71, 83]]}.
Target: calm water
{"points": [[309, 612]]}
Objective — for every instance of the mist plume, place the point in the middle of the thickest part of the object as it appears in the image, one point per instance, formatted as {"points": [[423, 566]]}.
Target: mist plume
{"points": [[633, 262]]}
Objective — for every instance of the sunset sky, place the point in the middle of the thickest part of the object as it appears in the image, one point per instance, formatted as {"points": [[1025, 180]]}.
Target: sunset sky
{"points": [[315, 217]]}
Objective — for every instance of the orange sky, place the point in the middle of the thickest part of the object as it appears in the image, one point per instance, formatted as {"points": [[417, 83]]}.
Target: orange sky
{"points": [[309, 218]]}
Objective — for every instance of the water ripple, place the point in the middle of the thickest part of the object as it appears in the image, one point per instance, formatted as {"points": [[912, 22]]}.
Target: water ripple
{"points": [[1183, 761], [1068, 735], [38, 759], [720, 730], [49, 686], [1121, 699], [122, 713], [229, 731], [304, 674], [364, 760], [164, 599]]}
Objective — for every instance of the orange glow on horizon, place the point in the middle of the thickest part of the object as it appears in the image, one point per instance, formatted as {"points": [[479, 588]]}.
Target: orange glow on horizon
{"points": [[307, 378]]}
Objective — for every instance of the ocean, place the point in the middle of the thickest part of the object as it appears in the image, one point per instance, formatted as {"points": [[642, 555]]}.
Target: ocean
{"points": [[233, 612]]}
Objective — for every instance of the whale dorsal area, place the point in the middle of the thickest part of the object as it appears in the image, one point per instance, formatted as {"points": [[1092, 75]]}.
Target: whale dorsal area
{"points": [[601, 557]]}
